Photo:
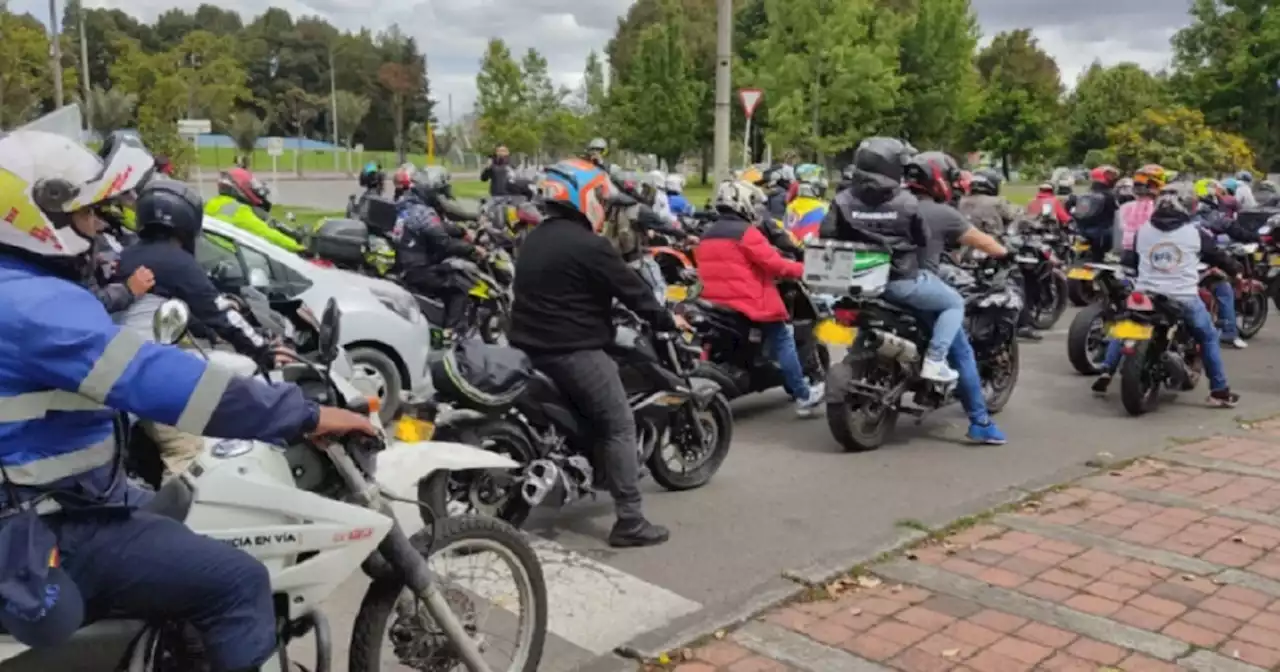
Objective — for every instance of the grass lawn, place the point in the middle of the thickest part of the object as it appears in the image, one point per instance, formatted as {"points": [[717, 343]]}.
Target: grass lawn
{"points": [[313, 161], [306, 217]]}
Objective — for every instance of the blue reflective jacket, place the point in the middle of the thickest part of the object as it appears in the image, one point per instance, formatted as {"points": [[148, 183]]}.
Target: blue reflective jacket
{"points": [[680, 205], [64, 367]]}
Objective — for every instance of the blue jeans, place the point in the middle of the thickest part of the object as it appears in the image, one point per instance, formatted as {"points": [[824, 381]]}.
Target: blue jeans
{"points": [[781, 338], [969, 385], [1205, 331], [927, 293], [1227, 324]]}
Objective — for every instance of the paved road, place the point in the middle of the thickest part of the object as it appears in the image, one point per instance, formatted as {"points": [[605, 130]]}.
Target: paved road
{"points": [[787, 498]]}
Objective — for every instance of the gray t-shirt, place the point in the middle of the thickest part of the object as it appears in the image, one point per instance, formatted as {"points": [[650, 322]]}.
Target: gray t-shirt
{"points": [[945, 225]]}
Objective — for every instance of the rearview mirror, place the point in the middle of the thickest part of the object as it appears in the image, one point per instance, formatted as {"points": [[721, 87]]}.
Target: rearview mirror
{"points": [[170, 322], [330, 332]]}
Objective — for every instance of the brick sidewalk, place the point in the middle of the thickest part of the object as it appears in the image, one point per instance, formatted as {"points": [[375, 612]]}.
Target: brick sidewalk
{"points": [[1171, 563]]}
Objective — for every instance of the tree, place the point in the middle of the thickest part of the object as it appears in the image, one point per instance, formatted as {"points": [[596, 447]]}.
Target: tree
{"points": [[24, 66], [112, 110], [543, 100], [352, 109], [1107, 97], [1019, 112], [501, 101], [298, 109], [400, 81], [1178, 139], [939, 87], [829, 69], [656, 110], [1226, 63], [245, 129]]}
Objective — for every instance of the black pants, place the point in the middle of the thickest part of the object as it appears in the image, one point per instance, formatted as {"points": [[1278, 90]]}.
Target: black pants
{"points": [[1100, 241], [429, 283], [590, 379], [1030, 299]]}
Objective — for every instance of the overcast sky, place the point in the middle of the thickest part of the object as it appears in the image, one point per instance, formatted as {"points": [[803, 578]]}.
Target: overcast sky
{"points": [[454, 32]]}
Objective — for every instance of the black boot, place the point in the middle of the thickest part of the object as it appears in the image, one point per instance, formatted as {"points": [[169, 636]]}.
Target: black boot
{"points": [[634, 533], [1030, 334]]}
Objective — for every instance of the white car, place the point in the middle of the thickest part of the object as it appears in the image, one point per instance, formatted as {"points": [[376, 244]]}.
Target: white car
{"points": [[383, 330]]}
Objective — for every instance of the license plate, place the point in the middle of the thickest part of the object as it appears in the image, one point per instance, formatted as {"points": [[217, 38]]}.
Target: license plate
{"points": [[1127, 330], [1257, 256], [1275, 261], [827, 267], [677, 292], [413, 430], [831, 332], [1080, 246], [1081, 274]]}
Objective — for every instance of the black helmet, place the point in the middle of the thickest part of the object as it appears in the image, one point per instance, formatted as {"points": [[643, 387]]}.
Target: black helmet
{"points": [[432, 182], [932, 173], [879, 162], [985, 181], [171, 207]]}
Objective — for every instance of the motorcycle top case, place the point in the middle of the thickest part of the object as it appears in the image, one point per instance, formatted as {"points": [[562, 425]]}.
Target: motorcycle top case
{"points": [[379, 212], [481, 377], [342, 241]]}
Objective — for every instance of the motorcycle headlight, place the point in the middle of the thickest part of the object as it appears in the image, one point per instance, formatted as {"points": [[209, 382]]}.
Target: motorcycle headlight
{"points": [[400, 303]]}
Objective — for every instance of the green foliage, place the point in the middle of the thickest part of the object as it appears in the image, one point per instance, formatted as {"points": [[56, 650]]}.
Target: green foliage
{"points": [[1177, 139], [26, 86], [1019, 113], [111, 110], [245, 129], [1106, 97], [940, 86], [502, 102]]}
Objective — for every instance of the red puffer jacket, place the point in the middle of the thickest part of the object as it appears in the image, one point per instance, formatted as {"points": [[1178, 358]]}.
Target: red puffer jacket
{"points": [[738, 267]]}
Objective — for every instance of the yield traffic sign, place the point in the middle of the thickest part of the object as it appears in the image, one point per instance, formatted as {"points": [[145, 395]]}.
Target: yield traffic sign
{"points": [[750, 99]]}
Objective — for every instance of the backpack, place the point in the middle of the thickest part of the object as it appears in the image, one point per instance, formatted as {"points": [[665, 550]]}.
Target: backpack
{"points": [[620, 229]]}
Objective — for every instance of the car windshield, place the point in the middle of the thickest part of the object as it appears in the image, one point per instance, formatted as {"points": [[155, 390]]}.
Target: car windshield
{"points": [[249, 264]]}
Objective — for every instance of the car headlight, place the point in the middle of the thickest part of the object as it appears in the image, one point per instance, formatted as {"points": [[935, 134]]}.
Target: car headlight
{"points": [[400, 303]]}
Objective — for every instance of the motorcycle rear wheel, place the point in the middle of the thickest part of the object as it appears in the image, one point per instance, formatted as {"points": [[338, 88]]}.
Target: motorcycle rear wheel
{"points": [[1251, 313], [443, 488], [378, 607], [856, 428], [1139, 389], [1086, 329], [719, 417]]}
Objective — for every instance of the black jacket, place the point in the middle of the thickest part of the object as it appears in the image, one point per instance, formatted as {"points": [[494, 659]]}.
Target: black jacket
{"points": [[425, 239], [497, 175], [179, 276], [565, 282], [886, 218]]}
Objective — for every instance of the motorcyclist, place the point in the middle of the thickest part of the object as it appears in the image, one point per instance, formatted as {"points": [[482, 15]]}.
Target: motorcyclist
{"points": [[498, 172], [984, 206], [245, 202], [1095, 211], [1045, 196], [424, 243], [675, 196], [567, 277], [1230, 205], [1064, 184], [402, 180], [807, 209], [170, 221], [738, 268], [117, 224], [654, 192], [1124, 190], [1244, 191], [877, 210], [436, 190], [372, 177], [1148, 182], [949, 229], [70, 527], [1167, 250]]}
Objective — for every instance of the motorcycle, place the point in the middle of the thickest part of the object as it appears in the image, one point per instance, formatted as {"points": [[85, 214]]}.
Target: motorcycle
{"points": [[1086, 337], [1041, 269], [734, 351], [1251, 292], [489, 298], [315, 514], [865, 391], [684, 429], [1158, 351], [1081, 292]]}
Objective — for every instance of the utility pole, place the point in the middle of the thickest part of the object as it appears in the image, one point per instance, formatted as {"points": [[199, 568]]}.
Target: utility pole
{"points": [[724, 60], [84, 74], [55, 53], [333, 108]]}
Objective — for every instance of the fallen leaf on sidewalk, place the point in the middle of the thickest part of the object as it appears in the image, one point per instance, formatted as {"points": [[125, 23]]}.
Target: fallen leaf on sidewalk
{"points": [[720, 634], [912, 556], [1238, 540], [869, 582], [855, 612], [664, 659], [896, 589], [950, 653], [1102, 459], [1188, 577]]}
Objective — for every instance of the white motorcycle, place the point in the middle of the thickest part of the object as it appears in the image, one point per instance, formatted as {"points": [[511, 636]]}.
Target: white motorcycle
{"points": [[315, 515]]}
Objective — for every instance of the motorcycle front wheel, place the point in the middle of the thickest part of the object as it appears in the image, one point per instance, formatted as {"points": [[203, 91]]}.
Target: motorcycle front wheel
{"points": [[390, 611], [694, 465], [1053, 301]]}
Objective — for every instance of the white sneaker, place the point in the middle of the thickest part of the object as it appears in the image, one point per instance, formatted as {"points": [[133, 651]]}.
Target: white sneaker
{"points": [[1238, 343], [805, 408], [938, 371]]}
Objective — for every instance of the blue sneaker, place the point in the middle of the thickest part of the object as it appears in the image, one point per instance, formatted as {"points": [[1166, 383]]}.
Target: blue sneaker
{"points": [[987, 434]]}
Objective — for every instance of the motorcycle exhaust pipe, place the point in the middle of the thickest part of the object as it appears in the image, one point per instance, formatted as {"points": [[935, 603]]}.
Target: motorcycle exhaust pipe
{"points": [[541, 478], [1176, 369], [891, 346]]}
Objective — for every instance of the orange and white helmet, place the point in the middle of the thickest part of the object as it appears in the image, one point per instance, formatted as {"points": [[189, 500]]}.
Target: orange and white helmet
{"points": [[45, 176]]}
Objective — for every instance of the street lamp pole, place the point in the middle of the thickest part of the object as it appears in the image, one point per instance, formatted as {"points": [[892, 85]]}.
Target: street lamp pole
{"points": [[55, 53], [724, 61]]}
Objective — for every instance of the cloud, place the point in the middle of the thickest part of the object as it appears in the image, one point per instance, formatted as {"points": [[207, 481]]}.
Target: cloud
{"points": [[454, 32]]}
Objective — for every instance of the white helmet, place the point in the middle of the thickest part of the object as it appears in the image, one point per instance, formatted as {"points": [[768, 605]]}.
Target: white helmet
{"points": [[45, 176], [675, 183], [739, 197], [657, 179]]}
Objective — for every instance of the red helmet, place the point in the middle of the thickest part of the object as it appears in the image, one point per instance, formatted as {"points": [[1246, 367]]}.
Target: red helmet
{"points": [[241, 185], [1105, 175]]}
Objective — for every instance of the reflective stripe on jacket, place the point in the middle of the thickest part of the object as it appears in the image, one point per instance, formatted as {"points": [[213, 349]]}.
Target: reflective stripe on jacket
{"points": [[246, 217]]}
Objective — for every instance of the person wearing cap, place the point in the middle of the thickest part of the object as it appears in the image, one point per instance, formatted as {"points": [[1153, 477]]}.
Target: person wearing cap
{"points": [[72, 530]]}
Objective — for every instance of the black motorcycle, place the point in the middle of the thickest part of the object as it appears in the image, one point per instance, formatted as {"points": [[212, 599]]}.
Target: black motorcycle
{"points": [[865, 391], [1042, 272], [734, 350], [1087, 335], [683, 422], [1159, 351]]}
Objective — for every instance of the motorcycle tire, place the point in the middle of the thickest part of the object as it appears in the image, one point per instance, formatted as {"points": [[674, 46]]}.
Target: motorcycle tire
{"points": [[1080, 292], [722, 418], [378, 608], [499, 436], [998, 399], [851, 426], [1251, 314], [1043, 320], [1078, 352], [1138, 394]]}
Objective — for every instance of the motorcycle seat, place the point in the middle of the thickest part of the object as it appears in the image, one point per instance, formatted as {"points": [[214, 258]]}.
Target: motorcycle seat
{"points": [[172, 500], [432, 308]]}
